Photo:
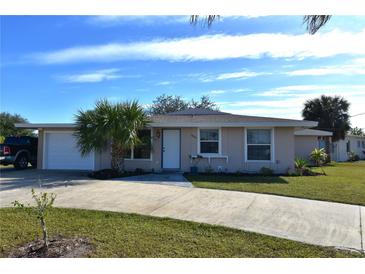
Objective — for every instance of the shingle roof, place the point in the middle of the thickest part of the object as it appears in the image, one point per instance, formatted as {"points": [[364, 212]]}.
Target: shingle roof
{"points": [[198, 111], [198, 116], [203, 117]]}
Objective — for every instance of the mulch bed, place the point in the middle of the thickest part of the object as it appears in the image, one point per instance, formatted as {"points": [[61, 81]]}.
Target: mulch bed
{"points": [[105, 174], [59, 247]]}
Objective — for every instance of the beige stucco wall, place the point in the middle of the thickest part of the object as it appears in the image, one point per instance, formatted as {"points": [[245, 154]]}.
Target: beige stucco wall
{"points": [[283, 153], [232, 145], [304, 145]]}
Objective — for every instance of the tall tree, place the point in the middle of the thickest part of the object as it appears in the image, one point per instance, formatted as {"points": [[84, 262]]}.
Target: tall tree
{"points": [[116, 123], [313, 22], [331, 113], [357, 131], [7, 125], [168, 103]]}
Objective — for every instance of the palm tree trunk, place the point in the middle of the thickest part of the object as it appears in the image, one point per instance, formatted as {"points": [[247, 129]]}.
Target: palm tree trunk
{"points": [[117, 157]]}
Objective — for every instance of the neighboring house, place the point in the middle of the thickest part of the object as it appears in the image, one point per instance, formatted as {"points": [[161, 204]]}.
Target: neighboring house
{"points": [[306, 140], [351, 143], [211, 140]]}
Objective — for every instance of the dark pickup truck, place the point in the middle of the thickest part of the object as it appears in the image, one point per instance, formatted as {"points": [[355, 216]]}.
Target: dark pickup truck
{"points": [[19, 151]]}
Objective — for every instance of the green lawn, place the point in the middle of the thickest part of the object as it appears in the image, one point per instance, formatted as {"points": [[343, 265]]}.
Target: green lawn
{"points": [[131, 235], [345, 183]]}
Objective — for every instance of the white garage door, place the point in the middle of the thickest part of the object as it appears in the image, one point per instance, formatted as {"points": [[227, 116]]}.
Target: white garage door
{"points": [[61, 152]]}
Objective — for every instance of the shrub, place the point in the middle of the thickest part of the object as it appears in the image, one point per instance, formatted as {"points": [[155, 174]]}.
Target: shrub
{"points": [[139, 170], [266, 171], [209, 169], [301, 166], [353, 157], [105, 174], [319, 156]]}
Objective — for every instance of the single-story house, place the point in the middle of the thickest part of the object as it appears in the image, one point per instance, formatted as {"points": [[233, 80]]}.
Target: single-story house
{"points": [[207, 139], [351, 143], [306, 140]]}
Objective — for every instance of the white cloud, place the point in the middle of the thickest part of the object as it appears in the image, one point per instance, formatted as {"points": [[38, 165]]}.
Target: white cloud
{"points": [[356, 68], [215, 47], [92, 77], [288, 101], [164, 83], [307, 90], [239, 75], [217, 91]]}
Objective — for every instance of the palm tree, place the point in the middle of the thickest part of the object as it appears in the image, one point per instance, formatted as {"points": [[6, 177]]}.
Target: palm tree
{"points": [[313, 22], [116, 124], [301, 165], [319, 156], [331, 113]]}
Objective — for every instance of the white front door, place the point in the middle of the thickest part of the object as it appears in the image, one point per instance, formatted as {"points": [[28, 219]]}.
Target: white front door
{"points": [[171, 149]]}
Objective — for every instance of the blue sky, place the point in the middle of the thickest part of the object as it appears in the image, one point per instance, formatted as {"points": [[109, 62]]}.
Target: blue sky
{"points": [[51, 66]]}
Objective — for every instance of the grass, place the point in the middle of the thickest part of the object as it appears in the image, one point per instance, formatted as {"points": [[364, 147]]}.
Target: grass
{"points": [[344, 183], [131, 235]]}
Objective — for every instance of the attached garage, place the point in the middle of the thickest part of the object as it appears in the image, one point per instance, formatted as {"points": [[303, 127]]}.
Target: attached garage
{"points": [[60, 152]]}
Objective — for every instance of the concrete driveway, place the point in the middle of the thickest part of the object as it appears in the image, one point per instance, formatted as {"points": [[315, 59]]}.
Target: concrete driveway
{"points": [[315, 222]]}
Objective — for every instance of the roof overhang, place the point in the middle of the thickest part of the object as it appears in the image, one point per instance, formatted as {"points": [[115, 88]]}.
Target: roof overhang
{"points": [[48, 125], [312, 132], [296, 124]]}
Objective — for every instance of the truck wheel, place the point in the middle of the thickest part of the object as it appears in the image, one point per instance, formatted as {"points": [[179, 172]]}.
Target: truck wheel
{"points": [[21, 162]]}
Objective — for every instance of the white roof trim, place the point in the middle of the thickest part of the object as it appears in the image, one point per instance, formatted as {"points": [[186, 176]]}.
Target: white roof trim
{"points": [[312, 132], [49, 125], [302, 124]]}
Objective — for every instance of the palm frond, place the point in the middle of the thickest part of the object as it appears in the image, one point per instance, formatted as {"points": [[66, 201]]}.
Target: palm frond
{"points": [[315, 22], [208, 19]]}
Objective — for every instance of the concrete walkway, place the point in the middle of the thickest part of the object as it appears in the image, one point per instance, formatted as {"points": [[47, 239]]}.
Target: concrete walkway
{"points": [[315, 222]]}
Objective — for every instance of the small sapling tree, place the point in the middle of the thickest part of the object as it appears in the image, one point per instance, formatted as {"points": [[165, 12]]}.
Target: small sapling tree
{"points": [[44, 201]]}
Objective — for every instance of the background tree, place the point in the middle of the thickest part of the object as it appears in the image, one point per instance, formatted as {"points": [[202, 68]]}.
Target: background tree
{"points": [[313, 22], [7, 127], [205, 102], [167, 103], [357, 131], [170, 103], [117, 123], [331, 113]]}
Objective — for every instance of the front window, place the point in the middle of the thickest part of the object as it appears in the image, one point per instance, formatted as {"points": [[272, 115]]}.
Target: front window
{"points": [[142, 150], [209, 141], [259, 144]]}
